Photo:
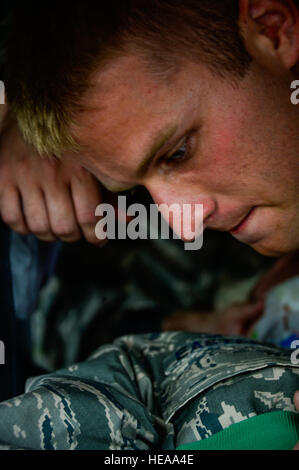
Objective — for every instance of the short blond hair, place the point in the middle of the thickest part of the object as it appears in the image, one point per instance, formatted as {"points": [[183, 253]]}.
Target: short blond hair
{"points": [[52, 49]]}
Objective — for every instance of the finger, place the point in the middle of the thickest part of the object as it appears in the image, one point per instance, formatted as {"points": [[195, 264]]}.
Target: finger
{"points": [[11, 211], [243, 312], [239, 318], [250, 316], [36, 216], [61, 213], [87, 196], [252, 311]]}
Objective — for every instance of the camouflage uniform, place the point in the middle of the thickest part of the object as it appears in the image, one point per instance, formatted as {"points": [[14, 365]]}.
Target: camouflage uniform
{"points": [[149, 392]]}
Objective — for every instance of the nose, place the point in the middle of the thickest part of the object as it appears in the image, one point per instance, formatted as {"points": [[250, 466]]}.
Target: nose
{"points": [[187, 215]]}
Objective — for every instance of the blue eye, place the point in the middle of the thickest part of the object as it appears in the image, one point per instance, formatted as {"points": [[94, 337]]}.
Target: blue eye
{"points": [[179, 155]]}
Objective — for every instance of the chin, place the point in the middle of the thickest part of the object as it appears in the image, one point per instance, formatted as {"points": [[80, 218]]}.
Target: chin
{"points": [[274, 250], [268, 252]]}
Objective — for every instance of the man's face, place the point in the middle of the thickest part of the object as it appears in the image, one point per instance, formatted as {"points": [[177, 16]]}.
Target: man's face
{"points": [[197, 138]]}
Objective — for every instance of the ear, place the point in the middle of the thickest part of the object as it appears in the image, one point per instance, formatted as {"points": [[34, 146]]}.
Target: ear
{"points": [[271, 28]]}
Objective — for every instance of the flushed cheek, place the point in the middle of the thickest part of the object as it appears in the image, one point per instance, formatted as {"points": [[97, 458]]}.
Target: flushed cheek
{"points": [[224, 136], [245, 168], [226, 165]]}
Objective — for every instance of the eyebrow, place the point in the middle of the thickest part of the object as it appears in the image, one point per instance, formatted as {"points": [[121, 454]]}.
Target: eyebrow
{"points": [[159, 141]]}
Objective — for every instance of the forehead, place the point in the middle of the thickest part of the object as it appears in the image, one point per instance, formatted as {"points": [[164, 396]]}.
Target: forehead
{"points": [[124, 109]]}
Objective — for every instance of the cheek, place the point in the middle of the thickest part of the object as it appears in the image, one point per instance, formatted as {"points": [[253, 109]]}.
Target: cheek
{"points": [[226, 158], [223, 143], [222, 151]]}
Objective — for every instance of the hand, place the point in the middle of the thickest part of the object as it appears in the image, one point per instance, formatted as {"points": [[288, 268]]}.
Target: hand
{"points": [[283, 269], [51, 199], [238, 319]]}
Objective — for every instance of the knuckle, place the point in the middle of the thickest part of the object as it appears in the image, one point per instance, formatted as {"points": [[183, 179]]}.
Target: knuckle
{"points": [[64, 229], [49, 167], [9, 213], [80, 174], [90, 237], [9, 210], [10, 218], [39, 228], [5, 176], [14, 221], [86, 218], [23, 167]]}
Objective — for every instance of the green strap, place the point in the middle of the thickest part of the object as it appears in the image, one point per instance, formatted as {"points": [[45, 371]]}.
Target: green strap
{"points": [[276, 430]]}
